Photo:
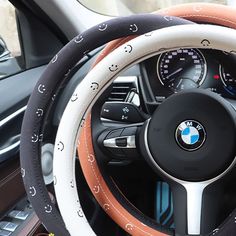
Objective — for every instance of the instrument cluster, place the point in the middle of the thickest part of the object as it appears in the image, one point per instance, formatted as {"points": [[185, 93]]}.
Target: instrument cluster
{"points": [[182, 69]]}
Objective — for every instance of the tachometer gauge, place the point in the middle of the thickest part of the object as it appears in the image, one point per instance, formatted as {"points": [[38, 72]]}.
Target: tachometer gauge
{"points": [[228, 81], [181, 69]]}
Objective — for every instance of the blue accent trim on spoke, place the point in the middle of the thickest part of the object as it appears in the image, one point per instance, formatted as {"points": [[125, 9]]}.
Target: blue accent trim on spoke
{"points": [[164, 205]]}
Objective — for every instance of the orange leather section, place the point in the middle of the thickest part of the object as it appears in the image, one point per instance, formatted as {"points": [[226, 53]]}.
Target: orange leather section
{"points": [[101, 191], [205, 13], [200, 12]]}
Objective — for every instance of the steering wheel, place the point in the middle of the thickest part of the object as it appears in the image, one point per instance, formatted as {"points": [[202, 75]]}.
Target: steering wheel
{"points": [[35, 188], [197, 12], [192, 164]]}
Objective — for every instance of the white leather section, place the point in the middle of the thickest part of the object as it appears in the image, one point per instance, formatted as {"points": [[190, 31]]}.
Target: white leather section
{"points": [[185, 36]]}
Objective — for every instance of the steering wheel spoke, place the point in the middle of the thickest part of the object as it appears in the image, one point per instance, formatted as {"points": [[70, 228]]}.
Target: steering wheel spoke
{"points": [[196, 207]]}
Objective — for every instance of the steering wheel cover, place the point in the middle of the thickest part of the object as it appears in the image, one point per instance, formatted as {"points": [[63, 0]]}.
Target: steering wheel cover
{"points": [[204, 12], [102, 75], [197, 12], [44, 94]]}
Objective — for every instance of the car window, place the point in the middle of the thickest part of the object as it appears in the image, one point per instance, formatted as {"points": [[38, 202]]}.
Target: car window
{"points": [[10, 51], [127, 7]]}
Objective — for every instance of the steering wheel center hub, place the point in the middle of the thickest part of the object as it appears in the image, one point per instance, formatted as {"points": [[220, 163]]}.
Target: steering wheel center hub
{"points": [[191, 135]]}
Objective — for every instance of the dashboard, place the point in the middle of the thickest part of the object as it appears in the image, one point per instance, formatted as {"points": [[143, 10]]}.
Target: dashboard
{"points": [[181, 69]]}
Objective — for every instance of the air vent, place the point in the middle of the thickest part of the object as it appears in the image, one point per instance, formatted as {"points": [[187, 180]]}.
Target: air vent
{"points": [[121, 87]]}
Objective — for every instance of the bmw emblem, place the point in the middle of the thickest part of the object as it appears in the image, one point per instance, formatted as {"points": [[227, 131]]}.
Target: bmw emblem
{"points": [[190, 135]]}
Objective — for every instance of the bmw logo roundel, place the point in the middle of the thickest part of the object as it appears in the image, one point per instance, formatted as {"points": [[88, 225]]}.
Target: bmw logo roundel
{"points": [[190, 135]]}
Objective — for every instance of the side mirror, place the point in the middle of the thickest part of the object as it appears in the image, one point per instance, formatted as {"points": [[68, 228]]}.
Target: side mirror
{"points": [[4, 52]]}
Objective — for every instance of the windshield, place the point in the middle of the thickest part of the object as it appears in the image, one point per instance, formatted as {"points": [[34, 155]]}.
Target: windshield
{"points": [[127, 7]]}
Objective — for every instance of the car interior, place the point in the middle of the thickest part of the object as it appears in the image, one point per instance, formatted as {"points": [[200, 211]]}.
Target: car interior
{"points": [[117, 117]]}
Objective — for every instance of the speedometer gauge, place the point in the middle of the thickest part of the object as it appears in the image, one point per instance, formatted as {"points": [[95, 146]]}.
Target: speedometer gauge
{"points": [[181, 69]]}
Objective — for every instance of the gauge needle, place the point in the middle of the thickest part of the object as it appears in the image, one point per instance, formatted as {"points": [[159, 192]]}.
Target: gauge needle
{"points": [[174, 73]]}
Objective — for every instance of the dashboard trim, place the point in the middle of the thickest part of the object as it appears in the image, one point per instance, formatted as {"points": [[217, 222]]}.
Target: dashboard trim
{"points": [[12, 116]]}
